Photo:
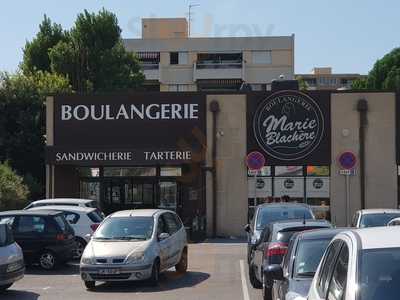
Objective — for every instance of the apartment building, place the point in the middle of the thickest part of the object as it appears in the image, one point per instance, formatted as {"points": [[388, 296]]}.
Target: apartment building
{"points": [[174, 61], [324, 79]]}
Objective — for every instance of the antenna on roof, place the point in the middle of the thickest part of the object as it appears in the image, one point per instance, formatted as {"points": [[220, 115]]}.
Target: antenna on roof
{"points": [[191, 5]]}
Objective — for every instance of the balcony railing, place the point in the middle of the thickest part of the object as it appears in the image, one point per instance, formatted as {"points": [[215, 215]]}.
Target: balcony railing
{"points": [[219, 65], [149, 66]]}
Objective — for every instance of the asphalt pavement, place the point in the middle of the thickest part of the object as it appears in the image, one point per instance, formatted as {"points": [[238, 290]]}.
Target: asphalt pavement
{"points": [[217, 270]]}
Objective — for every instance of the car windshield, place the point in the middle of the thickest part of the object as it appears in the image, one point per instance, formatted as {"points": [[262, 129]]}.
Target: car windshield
{"points": [[379, 276], [125, 228], [6, 237], [308, 256], [268, 215], [374, 220]]}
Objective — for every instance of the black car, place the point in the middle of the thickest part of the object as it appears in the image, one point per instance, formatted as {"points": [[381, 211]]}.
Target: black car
{"points": [[268, 213], [300, 263], [44, 236], [273, 245]]}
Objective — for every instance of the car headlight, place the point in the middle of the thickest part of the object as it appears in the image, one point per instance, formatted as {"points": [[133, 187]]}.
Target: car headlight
{"points": [[135, 257], [86, 260]]}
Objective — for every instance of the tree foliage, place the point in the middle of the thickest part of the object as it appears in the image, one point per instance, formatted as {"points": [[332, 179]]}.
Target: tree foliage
{"points": [[385, 75], [13, 191], [22, 126], [91, 55]]}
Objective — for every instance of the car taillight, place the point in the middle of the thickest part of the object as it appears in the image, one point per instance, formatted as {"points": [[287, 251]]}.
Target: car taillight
{"points": [[94, 226], [276, 249], [61, 237]]}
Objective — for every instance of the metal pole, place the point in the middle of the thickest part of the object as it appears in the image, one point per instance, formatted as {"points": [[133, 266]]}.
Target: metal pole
{"points": [[255, 188], [347, 199]]}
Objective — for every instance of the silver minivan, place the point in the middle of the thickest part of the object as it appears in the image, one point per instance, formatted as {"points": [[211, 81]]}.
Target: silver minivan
{"points": [[12, 267], [135, 245]]}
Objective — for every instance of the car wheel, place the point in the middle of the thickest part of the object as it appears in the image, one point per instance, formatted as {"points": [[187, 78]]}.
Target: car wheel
{"points": [[253, 279], [5, 287], [155, 273], [47, 260], [266, 292], [182, 265], [90, 285], [80, 246]]}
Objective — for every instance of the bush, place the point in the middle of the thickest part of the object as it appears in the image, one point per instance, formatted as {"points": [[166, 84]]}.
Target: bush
{"points": [[13, 192]]}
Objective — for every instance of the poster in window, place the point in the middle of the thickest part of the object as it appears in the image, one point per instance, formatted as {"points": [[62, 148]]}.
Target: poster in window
{"points": [[290, 186], [259, 189], [317, 187]]}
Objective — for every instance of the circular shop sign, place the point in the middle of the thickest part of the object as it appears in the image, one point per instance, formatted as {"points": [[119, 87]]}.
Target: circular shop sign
{"points": [[288, 184], [288, 125], [255, 160], [347, 160], [318, 184]]}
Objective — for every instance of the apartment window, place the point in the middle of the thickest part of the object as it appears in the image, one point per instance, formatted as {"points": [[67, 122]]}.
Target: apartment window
{"points": [[262, 57], [174, 58], [183, 58]]}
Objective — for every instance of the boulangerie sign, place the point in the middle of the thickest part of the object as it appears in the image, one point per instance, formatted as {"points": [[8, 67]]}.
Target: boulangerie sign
{"points": [[290, 127]]}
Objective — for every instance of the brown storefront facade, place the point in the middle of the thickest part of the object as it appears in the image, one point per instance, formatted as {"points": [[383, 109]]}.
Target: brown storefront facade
{"points": [[169, 150]]}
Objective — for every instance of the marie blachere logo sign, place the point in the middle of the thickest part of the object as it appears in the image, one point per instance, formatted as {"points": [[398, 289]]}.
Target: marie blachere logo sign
{"points": [[288, 125], [151, 111]]}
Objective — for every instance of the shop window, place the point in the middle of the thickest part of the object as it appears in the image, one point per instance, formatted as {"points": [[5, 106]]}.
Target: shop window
{"points": [[171, 171], [289, 186], [132, 171], [89, 172], [289, 171], [90, 190], [318, 171], [265, 171]]}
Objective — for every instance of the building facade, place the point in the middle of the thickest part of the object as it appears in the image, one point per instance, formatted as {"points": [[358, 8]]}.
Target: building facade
{"points": [[324, 79], [187, 152], [172, 61]]}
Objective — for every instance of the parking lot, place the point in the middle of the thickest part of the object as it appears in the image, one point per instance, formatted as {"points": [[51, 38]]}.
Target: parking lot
{"points": [[217, 269]]}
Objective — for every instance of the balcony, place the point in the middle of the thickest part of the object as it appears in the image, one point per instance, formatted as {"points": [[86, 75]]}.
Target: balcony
{"points": [[151, 70], [218, 70]]}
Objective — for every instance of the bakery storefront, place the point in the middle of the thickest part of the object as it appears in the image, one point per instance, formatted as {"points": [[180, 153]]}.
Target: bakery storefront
{"points": [[141, 150]]}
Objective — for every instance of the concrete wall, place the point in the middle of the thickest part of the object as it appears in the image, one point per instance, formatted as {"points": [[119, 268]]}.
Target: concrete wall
{"points": [[164, 28], [381, 169], [231, 170]]}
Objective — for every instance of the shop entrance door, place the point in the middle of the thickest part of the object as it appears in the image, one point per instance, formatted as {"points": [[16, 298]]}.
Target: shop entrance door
{"points": [[168, 195]]}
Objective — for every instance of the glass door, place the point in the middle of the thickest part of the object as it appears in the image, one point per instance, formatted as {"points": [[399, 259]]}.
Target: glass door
{"points": [[168, 195]]}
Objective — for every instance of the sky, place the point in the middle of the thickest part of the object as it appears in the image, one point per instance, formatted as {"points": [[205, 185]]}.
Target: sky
{"points": [[347, 35]]}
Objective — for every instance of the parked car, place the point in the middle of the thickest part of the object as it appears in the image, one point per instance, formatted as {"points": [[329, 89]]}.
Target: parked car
{"points": [[272, 246], [394, 222], [292, 279], [374, 217], [268, 213], [44, 236], [135, 245], [12, 267], [65, 202], [360, 264], [83, 220]]}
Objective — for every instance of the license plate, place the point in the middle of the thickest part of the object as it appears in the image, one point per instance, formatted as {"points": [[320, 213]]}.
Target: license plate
{"points": [[109, 271], [13, 267]]}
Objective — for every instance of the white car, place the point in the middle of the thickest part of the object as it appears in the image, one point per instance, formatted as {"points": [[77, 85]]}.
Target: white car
{"points": [[361, 264], [135, 245], [83, 220], [374, 217], [12, 267], [394, 222]]}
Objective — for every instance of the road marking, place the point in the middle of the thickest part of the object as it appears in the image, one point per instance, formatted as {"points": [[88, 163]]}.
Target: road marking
{"points": [[244, 283]]}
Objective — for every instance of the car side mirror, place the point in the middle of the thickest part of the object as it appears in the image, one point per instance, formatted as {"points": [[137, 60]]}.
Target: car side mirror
{"points": [[274, 272], [247, 228], [163, 236]]}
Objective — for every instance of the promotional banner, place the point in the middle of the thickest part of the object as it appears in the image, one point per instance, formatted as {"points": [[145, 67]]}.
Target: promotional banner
{"points": [[290, 186], [290, 127], [317, 187]]}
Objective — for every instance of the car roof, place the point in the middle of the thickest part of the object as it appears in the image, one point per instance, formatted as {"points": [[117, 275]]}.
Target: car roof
{"points": [[77, 209], [316, 234], [44, 212], [139, 213], [379, 211], [376, 237], [70, 200], [283, 224], [283, 205]]}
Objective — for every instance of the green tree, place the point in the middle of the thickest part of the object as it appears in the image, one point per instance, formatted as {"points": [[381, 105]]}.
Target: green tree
{"points": [[303, 86], [36, 52], [22, 125], [93, 56], [13, 191], [385, 75]]}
